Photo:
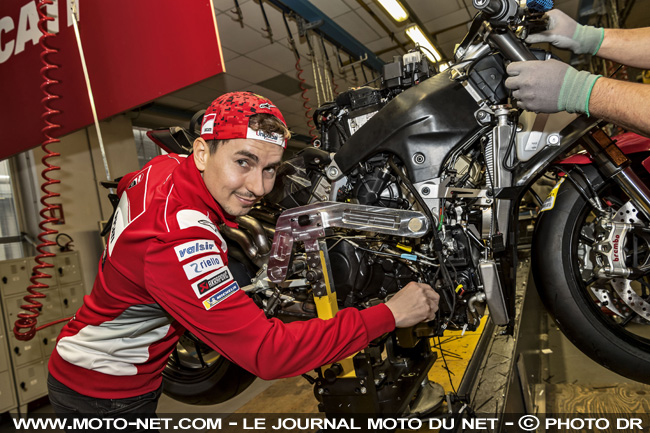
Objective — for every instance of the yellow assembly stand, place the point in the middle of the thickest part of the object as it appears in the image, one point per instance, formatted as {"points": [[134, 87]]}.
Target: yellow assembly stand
{"points": [[325, 296]]}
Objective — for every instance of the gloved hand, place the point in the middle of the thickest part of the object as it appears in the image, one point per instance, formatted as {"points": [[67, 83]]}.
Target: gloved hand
{"points": [[549, 86], [564, 32]]}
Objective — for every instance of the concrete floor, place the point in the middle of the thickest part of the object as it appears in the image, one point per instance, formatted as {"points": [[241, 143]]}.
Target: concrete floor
{"points": [[565, 367]]}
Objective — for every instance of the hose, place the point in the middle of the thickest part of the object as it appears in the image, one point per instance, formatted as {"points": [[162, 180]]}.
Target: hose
{"points": [[301, 82], [306, 102], [25, 326]]}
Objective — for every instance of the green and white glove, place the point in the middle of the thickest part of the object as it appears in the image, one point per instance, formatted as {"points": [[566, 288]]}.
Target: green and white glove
{"points": [[563, 32], [549, 86]]}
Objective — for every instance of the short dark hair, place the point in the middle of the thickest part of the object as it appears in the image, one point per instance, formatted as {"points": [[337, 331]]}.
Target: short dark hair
{"points": [[261, 121]]}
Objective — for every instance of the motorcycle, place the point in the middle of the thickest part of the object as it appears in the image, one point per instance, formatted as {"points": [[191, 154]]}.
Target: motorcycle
{"points": [[421, 179]]}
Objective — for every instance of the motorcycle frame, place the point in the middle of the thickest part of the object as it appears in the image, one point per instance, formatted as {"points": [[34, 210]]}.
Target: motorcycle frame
{"points": [[584, 130]]}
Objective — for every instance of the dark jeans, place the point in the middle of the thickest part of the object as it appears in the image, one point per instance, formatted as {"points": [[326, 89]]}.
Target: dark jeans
{"points": [[70, 404]]}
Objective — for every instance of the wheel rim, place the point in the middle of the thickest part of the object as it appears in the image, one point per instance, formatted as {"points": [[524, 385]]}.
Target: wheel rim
{"points": [[604, 298]]}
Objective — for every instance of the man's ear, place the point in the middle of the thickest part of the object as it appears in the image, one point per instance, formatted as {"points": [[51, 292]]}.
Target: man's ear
{"points": [[201, 153]]}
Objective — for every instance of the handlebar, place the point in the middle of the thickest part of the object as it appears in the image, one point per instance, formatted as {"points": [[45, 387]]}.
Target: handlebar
{"points": [[511, 47]]}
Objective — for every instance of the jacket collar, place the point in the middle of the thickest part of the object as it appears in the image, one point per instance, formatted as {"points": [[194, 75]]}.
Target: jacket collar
{"points": [[188, 179]]}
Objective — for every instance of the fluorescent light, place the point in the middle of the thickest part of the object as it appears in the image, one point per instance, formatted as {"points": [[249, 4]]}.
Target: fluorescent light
{"points": [[395, 9], [417, 36]]}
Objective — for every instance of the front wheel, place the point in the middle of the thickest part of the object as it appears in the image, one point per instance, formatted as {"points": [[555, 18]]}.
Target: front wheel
{"points": [[575, 249]]}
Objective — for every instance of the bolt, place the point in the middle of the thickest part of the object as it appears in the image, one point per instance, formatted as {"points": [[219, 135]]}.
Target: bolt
{"points": [[553, 139], [321, 391], [332, 172], [363, 390], [426, 191], [419, 158]]}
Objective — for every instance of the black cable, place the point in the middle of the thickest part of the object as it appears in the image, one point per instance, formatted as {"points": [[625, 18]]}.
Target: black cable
{"points": [[536, 196], [587, 181], [511, 145], [455, 154], [580, 189], [444, 361]]}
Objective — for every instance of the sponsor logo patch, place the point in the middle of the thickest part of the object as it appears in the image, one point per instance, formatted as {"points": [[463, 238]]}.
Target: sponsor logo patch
{"points": [[190, 249], [202, 266], [212, 282], [209, 224], [136, 181], [188, 218], [208, 124], [220, 295], [270, 137]]}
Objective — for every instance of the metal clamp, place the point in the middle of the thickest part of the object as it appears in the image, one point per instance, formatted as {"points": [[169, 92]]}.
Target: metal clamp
{"points": [[308, 223]]}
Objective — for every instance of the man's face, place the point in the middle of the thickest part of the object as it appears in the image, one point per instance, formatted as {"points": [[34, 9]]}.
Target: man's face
{"points": [[239, 173]]}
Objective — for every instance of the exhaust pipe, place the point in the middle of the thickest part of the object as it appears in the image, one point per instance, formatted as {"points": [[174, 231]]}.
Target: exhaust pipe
{"points": [[256, 230]]}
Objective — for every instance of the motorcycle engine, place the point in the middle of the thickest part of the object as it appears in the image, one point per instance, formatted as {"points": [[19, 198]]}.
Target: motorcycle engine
{"points": [[353, 108], [360, 275]]}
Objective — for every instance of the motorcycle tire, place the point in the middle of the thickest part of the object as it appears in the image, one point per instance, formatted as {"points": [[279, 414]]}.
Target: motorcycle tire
{"points": [[563, 288]]}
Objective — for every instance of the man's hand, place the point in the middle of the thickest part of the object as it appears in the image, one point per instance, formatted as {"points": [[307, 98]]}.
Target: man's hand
{"points": [[563, 32], [415, 303], [549, 86]]}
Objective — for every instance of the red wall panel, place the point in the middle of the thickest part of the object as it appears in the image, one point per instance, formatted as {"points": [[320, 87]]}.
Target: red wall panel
{"points": [[135, 50]]}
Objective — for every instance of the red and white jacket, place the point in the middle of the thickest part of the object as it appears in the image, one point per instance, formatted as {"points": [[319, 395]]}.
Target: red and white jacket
{"points": [[164, 270]]}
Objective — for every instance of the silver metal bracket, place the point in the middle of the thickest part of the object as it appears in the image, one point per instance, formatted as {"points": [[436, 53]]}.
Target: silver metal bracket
{"points": [[308, 223]]}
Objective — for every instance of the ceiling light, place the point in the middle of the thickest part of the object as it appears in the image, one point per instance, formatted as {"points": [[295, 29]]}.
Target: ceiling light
{"points": [[395, 9], [417, 36]]}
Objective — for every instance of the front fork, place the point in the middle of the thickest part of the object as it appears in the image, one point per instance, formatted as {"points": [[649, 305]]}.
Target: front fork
{"points": [[613, 164]]}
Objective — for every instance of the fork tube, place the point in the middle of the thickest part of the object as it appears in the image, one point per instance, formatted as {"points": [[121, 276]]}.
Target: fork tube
{"points": [[613, 163]]}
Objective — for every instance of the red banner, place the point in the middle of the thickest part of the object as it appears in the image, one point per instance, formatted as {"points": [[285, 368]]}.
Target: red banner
{"points": [[135, 50]]}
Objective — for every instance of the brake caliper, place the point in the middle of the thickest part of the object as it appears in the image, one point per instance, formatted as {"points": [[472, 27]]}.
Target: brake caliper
{"points": [[609, 248]]}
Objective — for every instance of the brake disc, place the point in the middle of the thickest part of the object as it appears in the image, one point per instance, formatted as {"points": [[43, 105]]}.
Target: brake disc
{"points": [[605, 300], [636, 303]]}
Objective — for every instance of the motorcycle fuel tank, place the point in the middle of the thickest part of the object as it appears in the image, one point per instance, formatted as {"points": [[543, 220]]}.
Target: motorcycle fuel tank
{"points": [[420, 126]]}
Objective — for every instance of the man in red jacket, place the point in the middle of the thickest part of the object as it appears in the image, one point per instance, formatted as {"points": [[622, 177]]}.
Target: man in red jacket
{"points": [[164, 271]]}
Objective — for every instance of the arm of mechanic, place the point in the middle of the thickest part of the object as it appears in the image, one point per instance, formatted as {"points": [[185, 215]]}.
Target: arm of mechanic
{"points": [[230, 322], [550, 86], [623, 103], [626, 46], [629, 47]]}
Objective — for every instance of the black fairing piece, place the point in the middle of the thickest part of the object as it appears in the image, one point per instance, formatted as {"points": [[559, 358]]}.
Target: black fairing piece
{"points": [[173, 140], [430, 118]]}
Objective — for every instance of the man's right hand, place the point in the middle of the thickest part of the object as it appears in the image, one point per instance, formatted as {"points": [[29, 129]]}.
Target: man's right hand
{"points": [[564, 32], [415, 303]]}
